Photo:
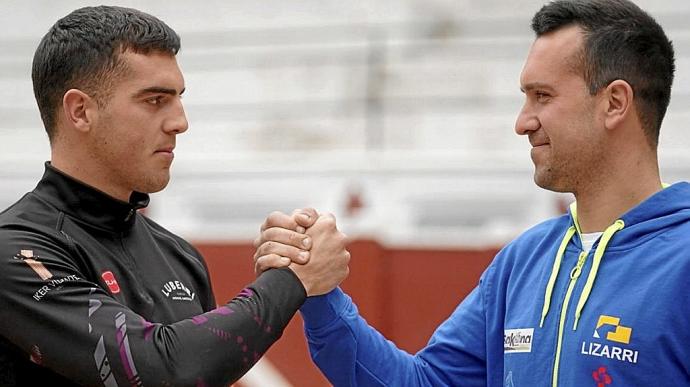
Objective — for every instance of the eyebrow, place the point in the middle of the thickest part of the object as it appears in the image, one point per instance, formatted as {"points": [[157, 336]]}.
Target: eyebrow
{"points": [[158, 90], [535, 85]]}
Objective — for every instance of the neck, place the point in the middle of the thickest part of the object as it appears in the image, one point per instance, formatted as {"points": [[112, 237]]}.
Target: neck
{"points": [[88, 173], [611, 194]]}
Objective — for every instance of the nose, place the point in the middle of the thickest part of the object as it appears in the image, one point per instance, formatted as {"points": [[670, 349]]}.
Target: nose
{"points": [[526, 121], [177, 122]]}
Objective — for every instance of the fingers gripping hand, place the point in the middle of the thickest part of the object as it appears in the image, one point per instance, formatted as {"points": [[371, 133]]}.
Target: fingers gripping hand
{"points": [[282, 240], [329, 258], [304, 218]]}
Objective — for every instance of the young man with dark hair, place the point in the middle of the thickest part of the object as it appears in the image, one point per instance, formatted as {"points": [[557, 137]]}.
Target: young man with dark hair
{"points": [[93, 292], [595, 297]]}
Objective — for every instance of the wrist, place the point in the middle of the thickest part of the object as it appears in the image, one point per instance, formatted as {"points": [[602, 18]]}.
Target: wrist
{"points": [[305, 284]]}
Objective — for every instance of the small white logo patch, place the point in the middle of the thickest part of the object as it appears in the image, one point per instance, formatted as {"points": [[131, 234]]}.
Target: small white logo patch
{"points": [[518, 340], [177, 291]]}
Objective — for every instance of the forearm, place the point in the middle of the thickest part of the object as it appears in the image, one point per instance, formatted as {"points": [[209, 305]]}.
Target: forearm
{"points": [[71, 326], [218, 347], [351, 353]]}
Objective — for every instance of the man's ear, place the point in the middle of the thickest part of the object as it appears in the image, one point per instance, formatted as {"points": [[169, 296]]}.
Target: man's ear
{"points": [[79, 109], [619, 99]]}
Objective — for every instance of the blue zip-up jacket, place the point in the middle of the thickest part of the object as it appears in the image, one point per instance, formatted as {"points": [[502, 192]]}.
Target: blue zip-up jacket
{"points": [[544, 313]]}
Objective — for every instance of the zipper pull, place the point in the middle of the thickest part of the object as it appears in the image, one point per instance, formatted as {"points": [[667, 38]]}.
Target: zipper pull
{"points": [[577, 270], [129, 214]]}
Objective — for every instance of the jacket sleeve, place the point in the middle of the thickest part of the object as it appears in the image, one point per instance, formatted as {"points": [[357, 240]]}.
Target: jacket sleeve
{"points": [[70, 325], [351, 353]]}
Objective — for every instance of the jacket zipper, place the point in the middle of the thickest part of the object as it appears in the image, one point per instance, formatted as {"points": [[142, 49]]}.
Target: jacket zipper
{"points": [[574, 275]]}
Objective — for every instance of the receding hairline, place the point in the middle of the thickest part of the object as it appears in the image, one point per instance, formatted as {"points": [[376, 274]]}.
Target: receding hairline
{"points": [[576, 60]]}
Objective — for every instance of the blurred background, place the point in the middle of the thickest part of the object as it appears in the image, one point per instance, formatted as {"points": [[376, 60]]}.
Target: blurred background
{"points": [[395, 115]]}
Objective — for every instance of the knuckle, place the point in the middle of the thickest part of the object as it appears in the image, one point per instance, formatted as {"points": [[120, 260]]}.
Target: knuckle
{"points": [[268, 246], [262, 267], [275, 214], [260, 264], [274, 218], [277, 234], [329, 221], [258, 241], [269, 234], [267, 261], [302, 257], [295, 238]]}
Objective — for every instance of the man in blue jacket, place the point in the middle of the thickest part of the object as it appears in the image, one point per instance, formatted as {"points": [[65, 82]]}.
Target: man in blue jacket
{"points": [[595, 297]]}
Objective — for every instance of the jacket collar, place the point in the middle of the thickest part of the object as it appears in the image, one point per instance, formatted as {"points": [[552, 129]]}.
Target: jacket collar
{"points": [[88, 203]]}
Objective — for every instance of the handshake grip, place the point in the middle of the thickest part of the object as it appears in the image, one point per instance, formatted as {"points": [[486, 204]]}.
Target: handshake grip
{"points": [[309, 244]]}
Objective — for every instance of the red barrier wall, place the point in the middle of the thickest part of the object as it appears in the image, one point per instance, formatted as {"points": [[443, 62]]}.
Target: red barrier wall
{"points": [[404, 293]]}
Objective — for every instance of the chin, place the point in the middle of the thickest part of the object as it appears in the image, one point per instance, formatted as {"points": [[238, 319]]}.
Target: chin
{"points": [[544, 179], [153, 184], [157, 189], [550, 183]]}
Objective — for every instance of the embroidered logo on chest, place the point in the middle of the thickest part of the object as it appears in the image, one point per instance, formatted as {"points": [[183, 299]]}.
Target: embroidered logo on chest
{"points": [[518, 340], [617, 342], [111, 282], [176, 290]]}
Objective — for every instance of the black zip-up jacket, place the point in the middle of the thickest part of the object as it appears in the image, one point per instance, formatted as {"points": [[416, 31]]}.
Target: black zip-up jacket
{"points": [[93, 293]]}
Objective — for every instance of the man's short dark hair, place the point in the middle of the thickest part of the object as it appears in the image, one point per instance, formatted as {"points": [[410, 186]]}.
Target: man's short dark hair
{"points": [[621, 42], [82, 51]]}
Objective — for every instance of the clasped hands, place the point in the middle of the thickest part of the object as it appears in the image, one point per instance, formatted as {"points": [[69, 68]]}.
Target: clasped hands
{"points": [[307, 242]]}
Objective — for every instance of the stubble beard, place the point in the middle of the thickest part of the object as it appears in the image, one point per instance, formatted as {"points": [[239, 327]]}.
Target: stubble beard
{"points": [[555, 176]]}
